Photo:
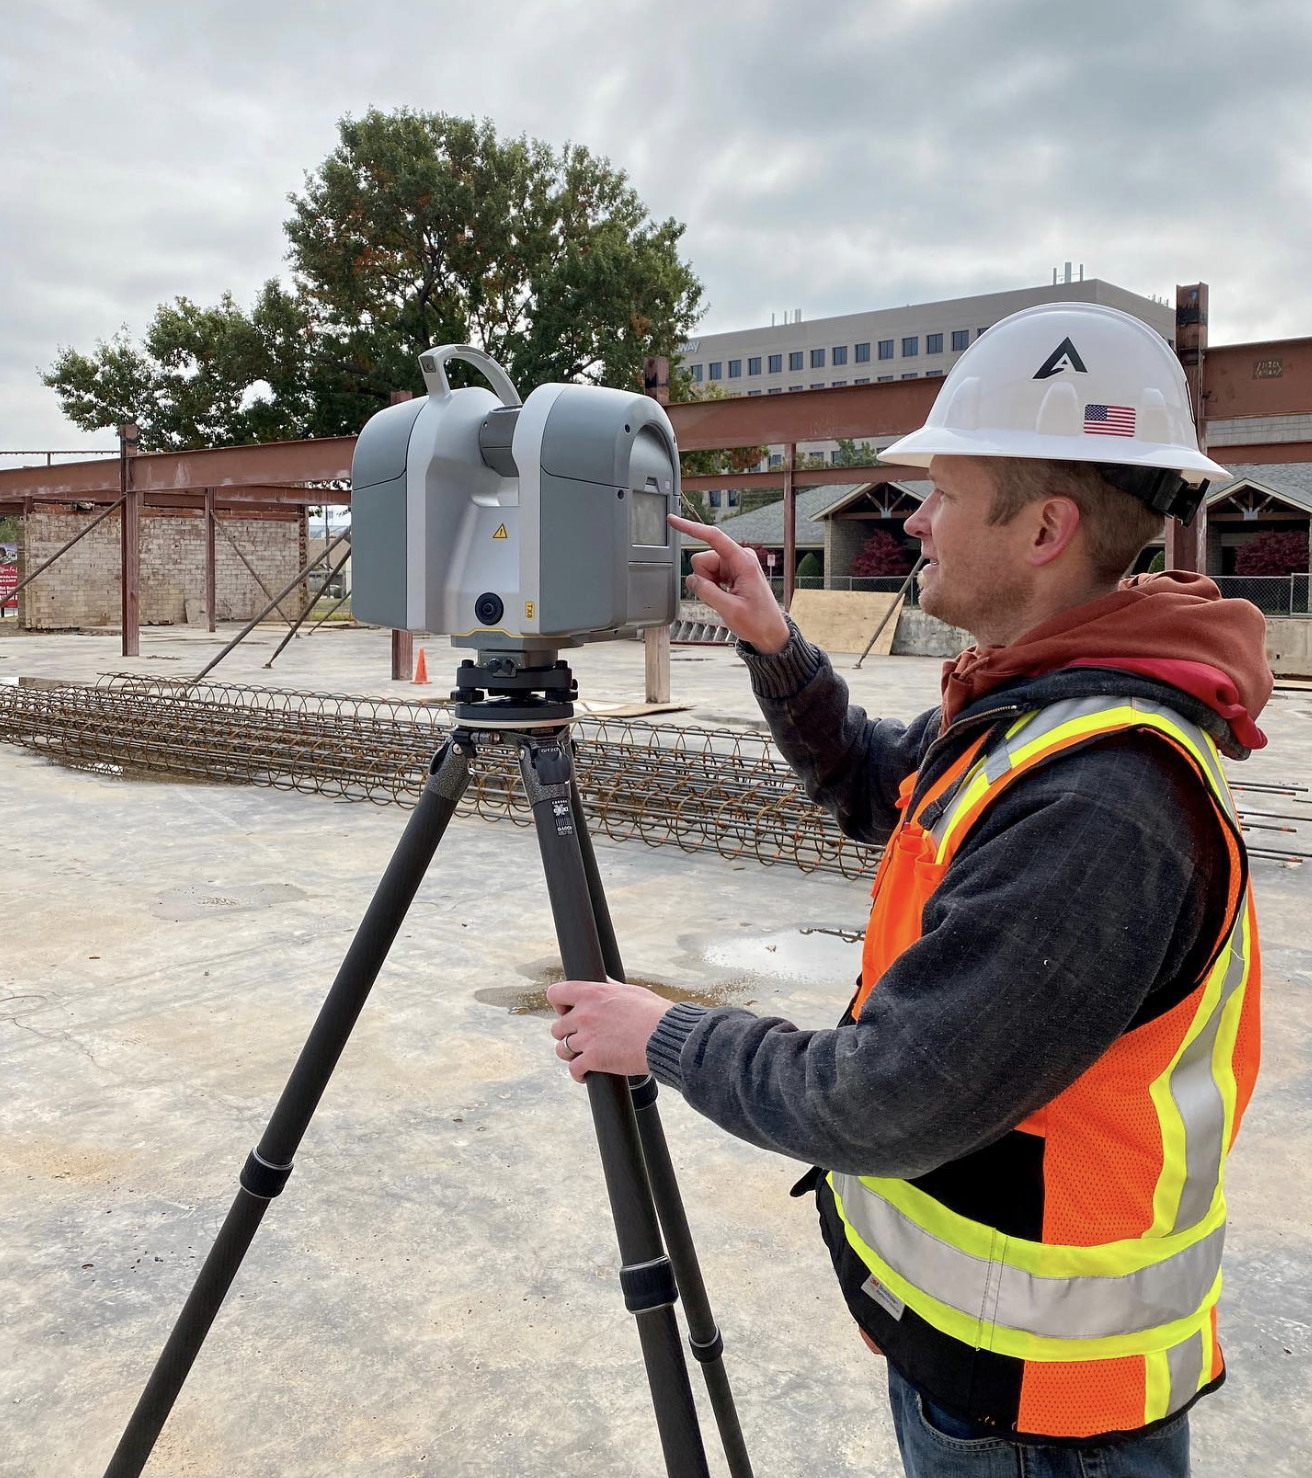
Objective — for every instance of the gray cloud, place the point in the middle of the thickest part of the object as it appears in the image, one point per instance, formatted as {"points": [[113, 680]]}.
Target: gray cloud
{"points": [[831, 157]]}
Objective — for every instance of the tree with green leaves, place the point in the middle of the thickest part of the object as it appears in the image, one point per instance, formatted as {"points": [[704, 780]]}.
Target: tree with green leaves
{"points": [[852, 454], [418, 229]]}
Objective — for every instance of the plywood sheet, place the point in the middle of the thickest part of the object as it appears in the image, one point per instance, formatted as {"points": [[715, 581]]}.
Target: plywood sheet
{"points": [[845, 620]]}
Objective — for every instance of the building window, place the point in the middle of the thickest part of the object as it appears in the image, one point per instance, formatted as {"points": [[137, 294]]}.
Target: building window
{"points": [[911, 346], [863, 353], [933, 343], [864, 381], [817, 359], [979, 332], [735, 369], [960, 338], [833, 458], [716, 370], [696, 372], [882, 378], [837, 384], [754, 366], [817, 384], [912, 376], [753, 392], [775, 390], [776, 364], [839, 354], [733, 497], [715, 497], [795, 360], [776, 459], [933, 374], [796, 387], [885, 348]]}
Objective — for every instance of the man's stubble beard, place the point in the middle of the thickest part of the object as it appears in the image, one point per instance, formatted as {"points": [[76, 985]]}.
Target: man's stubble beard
{"points": [[998, 610]]}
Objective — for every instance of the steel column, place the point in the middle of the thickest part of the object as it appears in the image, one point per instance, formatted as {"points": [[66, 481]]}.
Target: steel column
{"points": [[403, 642], [1186, 548], [129, 542], [211, 583], [403, 655]]}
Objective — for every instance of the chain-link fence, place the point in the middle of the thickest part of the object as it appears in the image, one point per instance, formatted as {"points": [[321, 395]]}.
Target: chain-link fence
{"points": [[1273, 595], [890, 584]]}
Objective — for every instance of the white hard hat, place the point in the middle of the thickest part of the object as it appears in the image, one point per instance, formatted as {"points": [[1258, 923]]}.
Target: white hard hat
{"points": [[1073, 382]]}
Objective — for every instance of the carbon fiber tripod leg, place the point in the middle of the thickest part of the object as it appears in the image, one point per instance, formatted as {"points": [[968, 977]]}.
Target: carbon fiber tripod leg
{"points": [[645, 1272], [704, 1338], [270, 1163]]}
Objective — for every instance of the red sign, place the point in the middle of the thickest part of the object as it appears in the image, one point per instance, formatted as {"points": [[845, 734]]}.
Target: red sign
{"points": [[8, 584]]}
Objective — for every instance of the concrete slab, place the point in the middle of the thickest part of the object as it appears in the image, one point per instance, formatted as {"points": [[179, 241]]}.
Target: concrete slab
{"points": [[435, 1292]]}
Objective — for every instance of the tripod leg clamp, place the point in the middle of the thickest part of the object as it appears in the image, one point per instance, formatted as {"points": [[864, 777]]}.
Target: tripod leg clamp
{"points": [[710, 1351], [648, 1285], [260, 1178], [643, 1091]]}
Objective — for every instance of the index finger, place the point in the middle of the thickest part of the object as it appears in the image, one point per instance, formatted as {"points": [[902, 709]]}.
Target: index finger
{"points": [[711, 533]]}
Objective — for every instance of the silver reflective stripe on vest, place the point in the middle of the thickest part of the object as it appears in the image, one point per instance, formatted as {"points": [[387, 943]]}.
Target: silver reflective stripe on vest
{"points": [[995, 1292], [1185, 1362], [1197, 1095]]}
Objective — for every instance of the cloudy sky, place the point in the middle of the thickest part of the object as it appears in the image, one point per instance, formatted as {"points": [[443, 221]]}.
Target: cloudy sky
{"points": [[829, 156]]}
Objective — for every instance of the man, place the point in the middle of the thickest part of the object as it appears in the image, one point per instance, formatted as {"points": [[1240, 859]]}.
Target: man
{"points": [[1020, 1125]]}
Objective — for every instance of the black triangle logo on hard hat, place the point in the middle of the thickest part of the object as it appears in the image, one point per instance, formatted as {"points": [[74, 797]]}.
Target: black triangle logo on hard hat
{"points": [[1064, 356]]}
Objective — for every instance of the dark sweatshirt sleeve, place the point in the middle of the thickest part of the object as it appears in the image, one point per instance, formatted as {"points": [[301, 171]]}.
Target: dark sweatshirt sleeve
{"points": [[850, 764], [1079, 895]]}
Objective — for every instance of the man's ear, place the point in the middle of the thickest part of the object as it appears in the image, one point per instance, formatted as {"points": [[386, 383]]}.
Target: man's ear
{"points": [[1056, 526]]}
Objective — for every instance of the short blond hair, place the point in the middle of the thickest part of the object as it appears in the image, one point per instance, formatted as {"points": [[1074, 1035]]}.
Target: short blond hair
{"points": [[1116, 525]]}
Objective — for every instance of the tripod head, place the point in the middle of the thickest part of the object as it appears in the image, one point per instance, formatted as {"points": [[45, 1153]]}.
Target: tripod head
{"points": [[514, 690]]}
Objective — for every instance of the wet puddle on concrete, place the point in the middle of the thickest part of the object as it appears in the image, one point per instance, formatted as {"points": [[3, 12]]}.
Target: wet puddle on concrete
{"points": [[815, 954], [811, 954], [531, 1000], [196, 900]]}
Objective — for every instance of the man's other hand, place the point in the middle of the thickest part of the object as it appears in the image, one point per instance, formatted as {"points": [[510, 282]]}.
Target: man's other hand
{"points": [[729, 579], [607, 1025]]}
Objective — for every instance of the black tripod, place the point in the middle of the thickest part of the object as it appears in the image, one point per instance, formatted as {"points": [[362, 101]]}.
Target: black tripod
{"points": [[530, 706]]}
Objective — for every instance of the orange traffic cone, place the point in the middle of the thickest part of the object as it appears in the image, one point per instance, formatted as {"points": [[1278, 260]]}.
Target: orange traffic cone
{"points": [[421, 668]]}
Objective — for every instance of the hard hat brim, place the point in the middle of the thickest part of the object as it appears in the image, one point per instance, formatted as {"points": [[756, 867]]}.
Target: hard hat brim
{"points": [[919, 447]]}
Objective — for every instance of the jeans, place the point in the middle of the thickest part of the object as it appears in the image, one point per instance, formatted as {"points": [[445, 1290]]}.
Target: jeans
{"points": [[933, 1446]]}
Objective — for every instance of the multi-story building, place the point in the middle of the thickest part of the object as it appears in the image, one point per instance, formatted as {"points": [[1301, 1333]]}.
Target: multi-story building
{"points": [[919, 341]]}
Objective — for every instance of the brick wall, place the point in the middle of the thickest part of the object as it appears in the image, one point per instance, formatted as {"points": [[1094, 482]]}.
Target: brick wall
{"points": [[81, 589]]}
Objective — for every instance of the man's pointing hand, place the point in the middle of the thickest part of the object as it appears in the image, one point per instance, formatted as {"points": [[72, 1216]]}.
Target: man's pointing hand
{"points": [[729, 579]]}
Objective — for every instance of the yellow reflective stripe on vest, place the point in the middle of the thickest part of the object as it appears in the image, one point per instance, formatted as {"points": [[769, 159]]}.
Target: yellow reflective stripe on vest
{"points": [[1075, 719], [973, 1328]]}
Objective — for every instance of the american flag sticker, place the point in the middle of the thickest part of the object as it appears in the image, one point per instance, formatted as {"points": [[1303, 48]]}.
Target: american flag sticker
{"points": [[1109, 420]]}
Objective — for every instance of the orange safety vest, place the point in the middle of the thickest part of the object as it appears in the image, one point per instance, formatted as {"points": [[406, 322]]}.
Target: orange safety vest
{"points": [[1104, 1320]]}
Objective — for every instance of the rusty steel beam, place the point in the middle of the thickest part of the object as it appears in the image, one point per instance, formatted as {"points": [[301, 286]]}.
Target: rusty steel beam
{"points": [[1263, 451], [322, 459], [807, 477], [854, 411], [259, 495]]}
